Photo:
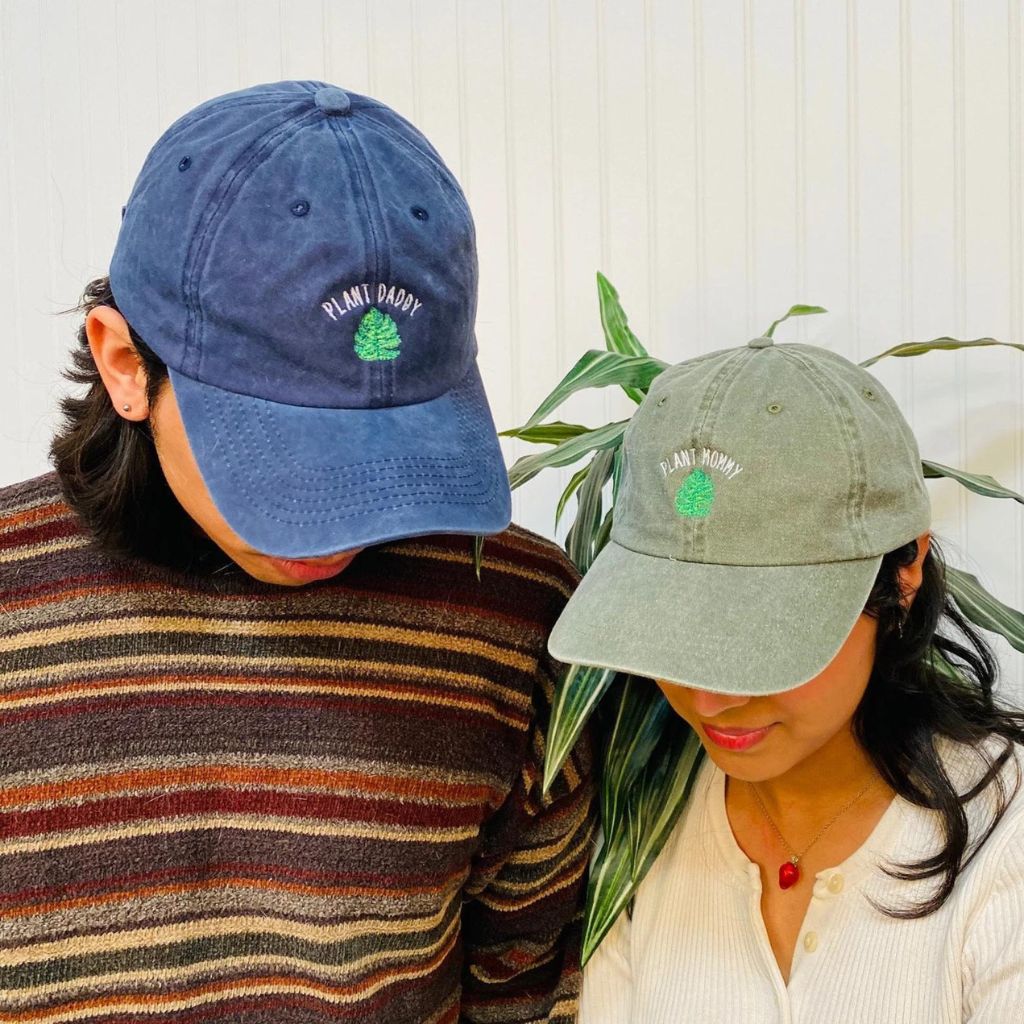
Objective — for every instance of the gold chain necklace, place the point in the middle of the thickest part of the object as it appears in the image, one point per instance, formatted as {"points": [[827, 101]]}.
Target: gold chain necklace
{"points": [[789, 873]]}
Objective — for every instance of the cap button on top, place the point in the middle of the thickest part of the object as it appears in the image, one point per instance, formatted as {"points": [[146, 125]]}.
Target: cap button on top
{"points": [[332, 100], [760, 342]]}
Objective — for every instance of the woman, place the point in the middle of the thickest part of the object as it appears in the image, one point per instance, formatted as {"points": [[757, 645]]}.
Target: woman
{"points": [[853, 848]]}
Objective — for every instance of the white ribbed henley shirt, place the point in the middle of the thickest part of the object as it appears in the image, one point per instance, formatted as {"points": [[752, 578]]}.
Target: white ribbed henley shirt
{"points": [[696, 949]]}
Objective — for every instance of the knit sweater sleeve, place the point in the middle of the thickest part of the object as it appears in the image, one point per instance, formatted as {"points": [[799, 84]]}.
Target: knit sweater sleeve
{"points": [[523, 916], [994, 949]]}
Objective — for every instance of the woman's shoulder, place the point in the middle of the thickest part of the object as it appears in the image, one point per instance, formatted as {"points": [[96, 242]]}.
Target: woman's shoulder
{"points": [[1000, 801]]}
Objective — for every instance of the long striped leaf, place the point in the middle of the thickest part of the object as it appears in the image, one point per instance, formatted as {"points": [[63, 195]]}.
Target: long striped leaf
{"points": [[986, 485], [617, 335], [580, 541], [640, 717], [547, 433], [666, 786], [983, 609], [651, 809], [478, 554], [609, 889], [566, 453], [570, 489], [799, 310], [943, 344], [576, 695], [597, 369]]}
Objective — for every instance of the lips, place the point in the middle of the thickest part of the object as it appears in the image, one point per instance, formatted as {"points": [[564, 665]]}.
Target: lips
{"points": [[735, 739], [310, 571]]}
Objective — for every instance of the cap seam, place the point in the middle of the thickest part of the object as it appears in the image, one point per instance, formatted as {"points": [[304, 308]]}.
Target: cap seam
{"points": [[438, 170], [710, 408], [857, 492], [256, 153]]}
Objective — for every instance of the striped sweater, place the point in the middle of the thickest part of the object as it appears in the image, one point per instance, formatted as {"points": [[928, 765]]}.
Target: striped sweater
{"points": [[224, 800]]}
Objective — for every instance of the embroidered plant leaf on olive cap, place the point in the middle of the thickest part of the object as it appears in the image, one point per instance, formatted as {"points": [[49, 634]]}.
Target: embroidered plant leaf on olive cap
{"points": [[760, 488]]}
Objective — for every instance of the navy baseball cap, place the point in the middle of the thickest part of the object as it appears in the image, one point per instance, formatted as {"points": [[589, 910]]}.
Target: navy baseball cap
{"points": [[305, 264]]}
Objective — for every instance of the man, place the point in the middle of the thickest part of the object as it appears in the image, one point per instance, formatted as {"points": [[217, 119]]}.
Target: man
{"points": [[269, 750]]}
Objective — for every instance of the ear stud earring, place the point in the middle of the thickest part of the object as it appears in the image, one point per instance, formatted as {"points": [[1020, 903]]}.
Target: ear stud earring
{"points": [[126, 408]]}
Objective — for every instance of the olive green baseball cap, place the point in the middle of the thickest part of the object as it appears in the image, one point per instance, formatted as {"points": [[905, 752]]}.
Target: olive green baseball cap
{"points": [[760, 488]]}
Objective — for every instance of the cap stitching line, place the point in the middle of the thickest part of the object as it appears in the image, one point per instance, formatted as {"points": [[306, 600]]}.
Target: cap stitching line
{"points": [[257, 152], [256, 454], [193, 117], [312, 471], [342, 517], [855, 454], [452, 193], [370, 473], [362, 185], [384, 371], [698, 533]]}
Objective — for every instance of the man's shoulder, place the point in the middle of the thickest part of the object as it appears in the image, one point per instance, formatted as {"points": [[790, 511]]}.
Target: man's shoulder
{"points": [[523, 576], [28, 497], [41, 538], [34, 511]]}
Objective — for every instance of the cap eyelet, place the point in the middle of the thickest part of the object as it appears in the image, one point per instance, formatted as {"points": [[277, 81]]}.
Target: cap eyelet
{"points": [[661, 401], [184, 163], [869, 394], [419, 213], [301, 208], [774, 408]]}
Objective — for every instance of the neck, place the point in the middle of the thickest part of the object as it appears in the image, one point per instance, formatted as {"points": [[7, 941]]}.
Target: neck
{"points": [[832, 774]]}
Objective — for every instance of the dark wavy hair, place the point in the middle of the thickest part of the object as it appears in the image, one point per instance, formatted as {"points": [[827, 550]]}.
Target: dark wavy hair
{"points": [[933, 677], [108, 467]]}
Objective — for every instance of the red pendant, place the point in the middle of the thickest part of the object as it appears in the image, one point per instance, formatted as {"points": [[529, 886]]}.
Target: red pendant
{"points": [[789, 875]]}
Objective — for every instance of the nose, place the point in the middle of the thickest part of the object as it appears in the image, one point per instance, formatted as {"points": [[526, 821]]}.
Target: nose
{"points": [[708, 704]]}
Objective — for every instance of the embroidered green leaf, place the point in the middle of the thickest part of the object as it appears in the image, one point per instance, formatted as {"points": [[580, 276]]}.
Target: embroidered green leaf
{"points": [[377, 337], [696, 495]]}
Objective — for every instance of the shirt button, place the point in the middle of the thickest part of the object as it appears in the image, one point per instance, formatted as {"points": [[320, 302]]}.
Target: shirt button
{"points": [[835, 884], [811, 941]]}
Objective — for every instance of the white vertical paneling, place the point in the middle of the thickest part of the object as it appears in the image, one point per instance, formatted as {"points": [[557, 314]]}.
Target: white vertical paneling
{"points": [[674, 331], [718, 161], [347, 57], [777, 229]]}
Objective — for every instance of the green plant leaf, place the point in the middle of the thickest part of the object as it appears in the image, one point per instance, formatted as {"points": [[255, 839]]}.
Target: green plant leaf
{"points": [[478, 554], [605, 532], [798, 310], [696, 495], [986, 485], [664, 789], [617, 335], [943, 344], [566, 453], [580, 541], [577, 693], [654, 777], [570, 489], [640, 714], [546, 433], [597, 369], [983, 609], [376, 337]]}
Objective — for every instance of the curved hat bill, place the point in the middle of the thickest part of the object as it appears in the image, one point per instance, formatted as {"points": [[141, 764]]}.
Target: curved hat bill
{"points": [[299, 482], [736, 629]]}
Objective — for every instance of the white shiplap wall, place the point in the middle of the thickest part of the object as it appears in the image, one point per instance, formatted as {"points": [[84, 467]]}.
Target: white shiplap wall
{"points": [[717, 159]]}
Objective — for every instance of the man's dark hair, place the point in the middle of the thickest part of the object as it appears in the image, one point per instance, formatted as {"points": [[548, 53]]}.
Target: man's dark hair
{"points": [[933, 677], [108, 467]]}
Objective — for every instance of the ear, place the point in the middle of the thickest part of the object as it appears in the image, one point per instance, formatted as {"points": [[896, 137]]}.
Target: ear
{"points": [[912, 575], [118, 362]]}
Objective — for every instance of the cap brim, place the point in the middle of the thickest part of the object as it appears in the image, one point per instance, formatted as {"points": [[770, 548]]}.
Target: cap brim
{"points": [[299, 482], [726, 628]]}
